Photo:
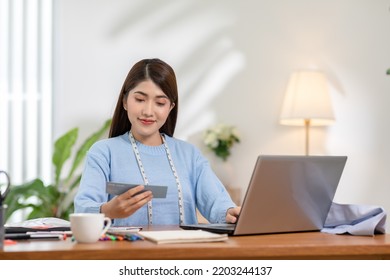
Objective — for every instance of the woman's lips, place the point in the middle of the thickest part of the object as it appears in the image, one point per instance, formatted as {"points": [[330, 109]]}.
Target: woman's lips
{"points": [[147, 122]]}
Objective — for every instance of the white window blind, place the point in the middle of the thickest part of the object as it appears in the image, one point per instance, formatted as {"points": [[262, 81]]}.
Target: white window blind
{"points": [[26, 89]]}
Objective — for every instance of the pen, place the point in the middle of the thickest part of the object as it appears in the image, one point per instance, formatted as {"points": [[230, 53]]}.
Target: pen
{"points": [[112, 237], [20, 236], [64, 234], [133, 237], [118, 237], [67, 232]]}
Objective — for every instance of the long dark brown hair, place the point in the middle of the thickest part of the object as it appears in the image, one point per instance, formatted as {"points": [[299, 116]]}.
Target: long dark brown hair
{"points": [[163, 76]]}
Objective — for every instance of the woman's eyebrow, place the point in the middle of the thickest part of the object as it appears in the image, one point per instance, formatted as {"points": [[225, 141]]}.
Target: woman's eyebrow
{"points": [[162, 96], [147, 95], [140, 92]]}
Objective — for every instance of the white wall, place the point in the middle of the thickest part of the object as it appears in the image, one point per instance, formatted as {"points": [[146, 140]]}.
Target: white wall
{"points": [[233, 60]]}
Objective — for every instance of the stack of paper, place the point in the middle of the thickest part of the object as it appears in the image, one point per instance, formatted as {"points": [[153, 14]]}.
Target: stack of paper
{"points": [[41, 223], [49, 224], [182, 236]]}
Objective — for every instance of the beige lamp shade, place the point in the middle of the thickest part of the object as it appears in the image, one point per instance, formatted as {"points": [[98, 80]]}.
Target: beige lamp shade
{"points": [[307, 99], [307, 102]]}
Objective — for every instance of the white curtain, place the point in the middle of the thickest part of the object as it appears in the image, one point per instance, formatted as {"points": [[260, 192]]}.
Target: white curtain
{"points": [[26, 88]]}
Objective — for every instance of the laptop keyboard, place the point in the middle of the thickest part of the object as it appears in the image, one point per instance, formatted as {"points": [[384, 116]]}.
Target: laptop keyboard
{"points": [[227, 226]]}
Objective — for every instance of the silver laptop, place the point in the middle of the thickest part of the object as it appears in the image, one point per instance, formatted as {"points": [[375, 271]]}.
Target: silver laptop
{"points": [[285, 194]]}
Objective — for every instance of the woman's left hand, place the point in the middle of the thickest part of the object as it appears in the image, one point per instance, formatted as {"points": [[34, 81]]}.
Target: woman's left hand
{"points": [[232, 214]]}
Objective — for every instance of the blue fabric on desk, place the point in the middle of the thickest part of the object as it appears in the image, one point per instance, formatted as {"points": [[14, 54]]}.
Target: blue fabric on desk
{"points": [[355, 219]]}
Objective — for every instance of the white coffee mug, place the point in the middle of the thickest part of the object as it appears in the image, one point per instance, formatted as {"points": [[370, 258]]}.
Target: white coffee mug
{"points": [[88, 227]]}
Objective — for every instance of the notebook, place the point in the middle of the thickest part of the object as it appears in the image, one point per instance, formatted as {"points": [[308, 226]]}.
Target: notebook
{"points": [[285, 194], [182, 236]]}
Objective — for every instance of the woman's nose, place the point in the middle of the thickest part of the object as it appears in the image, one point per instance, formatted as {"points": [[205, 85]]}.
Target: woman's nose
{"points": [[148, 109]]}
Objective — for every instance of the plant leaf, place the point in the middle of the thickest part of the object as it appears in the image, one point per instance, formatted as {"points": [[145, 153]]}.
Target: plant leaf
{"points": [[17, 196], [82, 151], [75, 183], [63, 150], [54, 200], [39, 211], [66, 206], [388, 71]]}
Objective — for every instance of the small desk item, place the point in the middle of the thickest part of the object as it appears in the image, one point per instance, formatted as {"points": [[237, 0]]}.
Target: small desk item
{"points": [[35, 236], [48, 224], [65, 230], [286, 194], [133, 237], [119, 188], [123, 230], [3, 195], [182, 236]]}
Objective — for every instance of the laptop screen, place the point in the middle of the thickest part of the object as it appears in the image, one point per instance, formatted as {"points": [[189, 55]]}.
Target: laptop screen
{"points": [[286, 194], [290, 193]]}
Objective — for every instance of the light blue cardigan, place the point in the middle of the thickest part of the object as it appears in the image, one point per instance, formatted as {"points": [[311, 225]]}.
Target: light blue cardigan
{"points": [[113, 160]]}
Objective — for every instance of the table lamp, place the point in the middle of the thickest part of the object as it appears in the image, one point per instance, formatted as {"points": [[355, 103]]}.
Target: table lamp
{"points": [[307, 102]]}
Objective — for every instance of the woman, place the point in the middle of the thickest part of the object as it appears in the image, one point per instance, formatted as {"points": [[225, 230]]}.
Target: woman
{"points": [[141, 150]]}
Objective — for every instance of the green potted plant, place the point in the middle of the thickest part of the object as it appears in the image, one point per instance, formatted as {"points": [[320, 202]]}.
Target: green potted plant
{"points": [[56, 199]]}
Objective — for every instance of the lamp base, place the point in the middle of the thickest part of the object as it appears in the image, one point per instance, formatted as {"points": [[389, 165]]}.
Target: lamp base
{"points": [[307, 128]]}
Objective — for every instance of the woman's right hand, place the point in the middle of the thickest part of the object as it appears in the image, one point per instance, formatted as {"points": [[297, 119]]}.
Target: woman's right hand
{"points": [[124, 205]]}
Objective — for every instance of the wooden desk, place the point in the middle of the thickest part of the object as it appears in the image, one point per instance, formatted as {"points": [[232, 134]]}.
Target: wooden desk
{"points": [[309, 245]]}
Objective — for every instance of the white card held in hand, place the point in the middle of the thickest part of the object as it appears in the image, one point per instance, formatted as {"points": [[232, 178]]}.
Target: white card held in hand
{"points": [[119, 188]]}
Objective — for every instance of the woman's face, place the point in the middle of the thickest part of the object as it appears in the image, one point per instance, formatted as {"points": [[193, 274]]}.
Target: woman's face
{"points": [[147, 108]]}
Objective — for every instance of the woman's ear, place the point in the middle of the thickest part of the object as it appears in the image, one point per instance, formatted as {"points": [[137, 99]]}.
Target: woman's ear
{"points": [[124, 104], [172, 106]]}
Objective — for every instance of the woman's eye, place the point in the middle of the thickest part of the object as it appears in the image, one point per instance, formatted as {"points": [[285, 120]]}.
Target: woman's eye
{"points": [[139, 99], [160, 104]]}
